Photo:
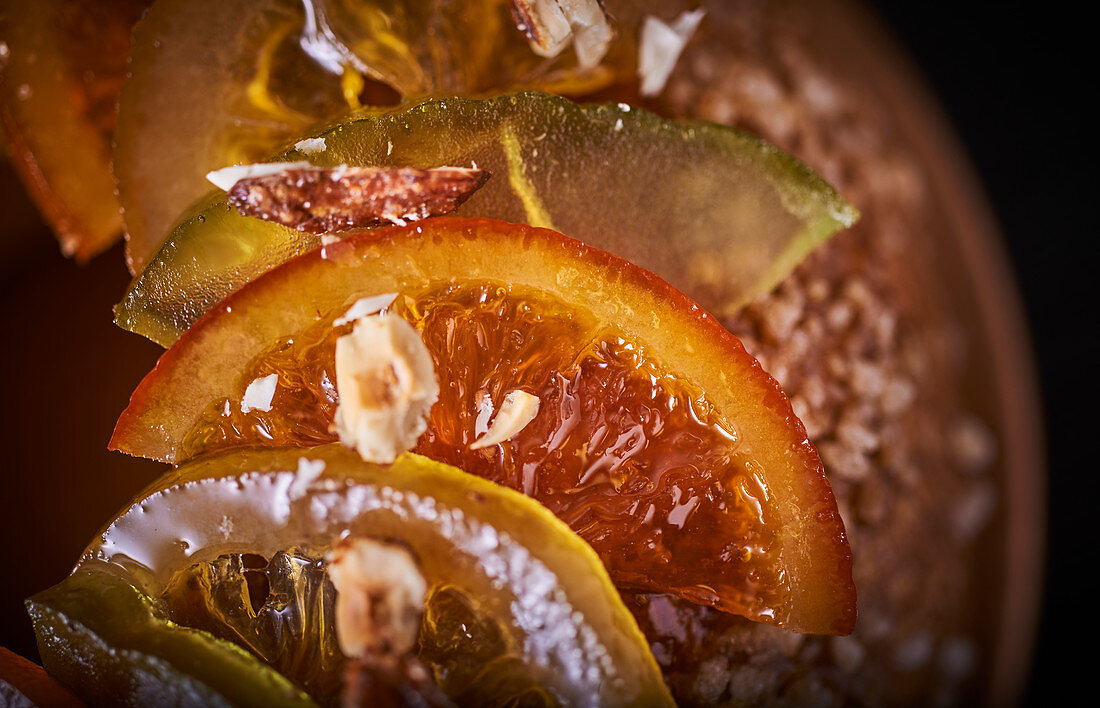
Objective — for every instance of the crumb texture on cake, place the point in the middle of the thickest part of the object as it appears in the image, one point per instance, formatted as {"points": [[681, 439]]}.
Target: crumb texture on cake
{"points": [[866, 343]]}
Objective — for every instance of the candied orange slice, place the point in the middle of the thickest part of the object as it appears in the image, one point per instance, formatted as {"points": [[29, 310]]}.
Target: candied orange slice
{"points": [[658, 438], [23, 682], [62, 63]]}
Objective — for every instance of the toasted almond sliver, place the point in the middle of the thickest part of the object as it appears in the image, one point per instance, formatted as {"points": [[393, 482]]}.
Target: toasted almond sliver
{"points": [[591, 30], [660, 47], [365, 306], [319, 200], [226, 177], [544, 25], [550, 25], [258, 394], [518, 409], [310, 146], [483, 404]]}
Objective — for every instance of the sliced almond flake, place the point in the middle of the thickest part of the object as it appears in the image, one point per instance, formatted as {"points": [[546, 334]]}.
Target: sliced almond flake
{"points": [[226, 177], [258, 394], [660, 47], [544, 25], [365, 306], [319, 200], [591, 30], [310, 146], [483, 404], [386, 383], [518, 409], [550, 25], [380, 595]]}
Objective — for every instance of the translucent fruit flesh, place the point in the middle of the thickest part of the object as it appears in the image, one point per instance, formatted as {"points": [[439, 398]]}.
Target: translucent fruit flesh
{"points": [[270, 69], [620, 179], [179, 118], [61, 68], [111, 645], [659, 439], [546, 617], [632, 459]]}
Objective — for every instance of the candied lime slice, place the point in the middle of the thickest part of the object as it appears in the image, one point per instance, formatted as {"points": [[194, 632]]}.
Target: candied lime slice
{"points": [[109, 643], [494, 559], [719, 214]]}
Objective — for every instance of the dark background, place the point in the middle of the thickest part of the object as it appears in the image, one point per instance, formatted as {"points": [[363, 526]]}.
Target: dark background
{"points": [[1012, 81], [1012, 78]]}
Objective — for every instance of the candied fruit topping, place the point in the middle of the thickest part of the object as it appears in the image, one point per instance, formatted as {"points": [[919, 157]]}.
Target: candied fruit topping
{"points": [[632, 458]]}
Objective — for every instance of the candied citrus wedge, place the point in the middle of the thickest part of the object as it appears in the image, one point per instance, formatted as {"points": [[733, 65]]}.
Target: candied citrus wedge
{"points": [[25, 683], [717, 213], [62, 64], [516, 601], [270, 68], [110, 644], [658, 438]]}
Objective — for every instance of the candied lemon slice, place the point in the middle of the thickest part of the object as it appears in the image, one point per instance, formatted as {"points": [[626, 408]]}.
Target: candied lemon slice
{"points": [[719, 214], [490, 555]]}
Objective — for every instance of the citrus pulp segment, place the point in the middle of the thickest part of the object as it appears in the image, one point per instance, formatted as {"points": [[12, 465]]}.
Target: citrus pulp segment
{"points": [[557, 622], [111, 645], [61, 66], [720, 215], [658, 439]]}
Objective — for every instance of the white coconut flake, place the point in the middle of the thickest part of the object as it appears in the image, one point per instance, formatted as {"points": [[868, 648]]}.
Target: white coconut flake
{"points": [[660, 48], [518, 409], [258, 395], [310, 146], [365, 306], [308, 472], [226, 177]]}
